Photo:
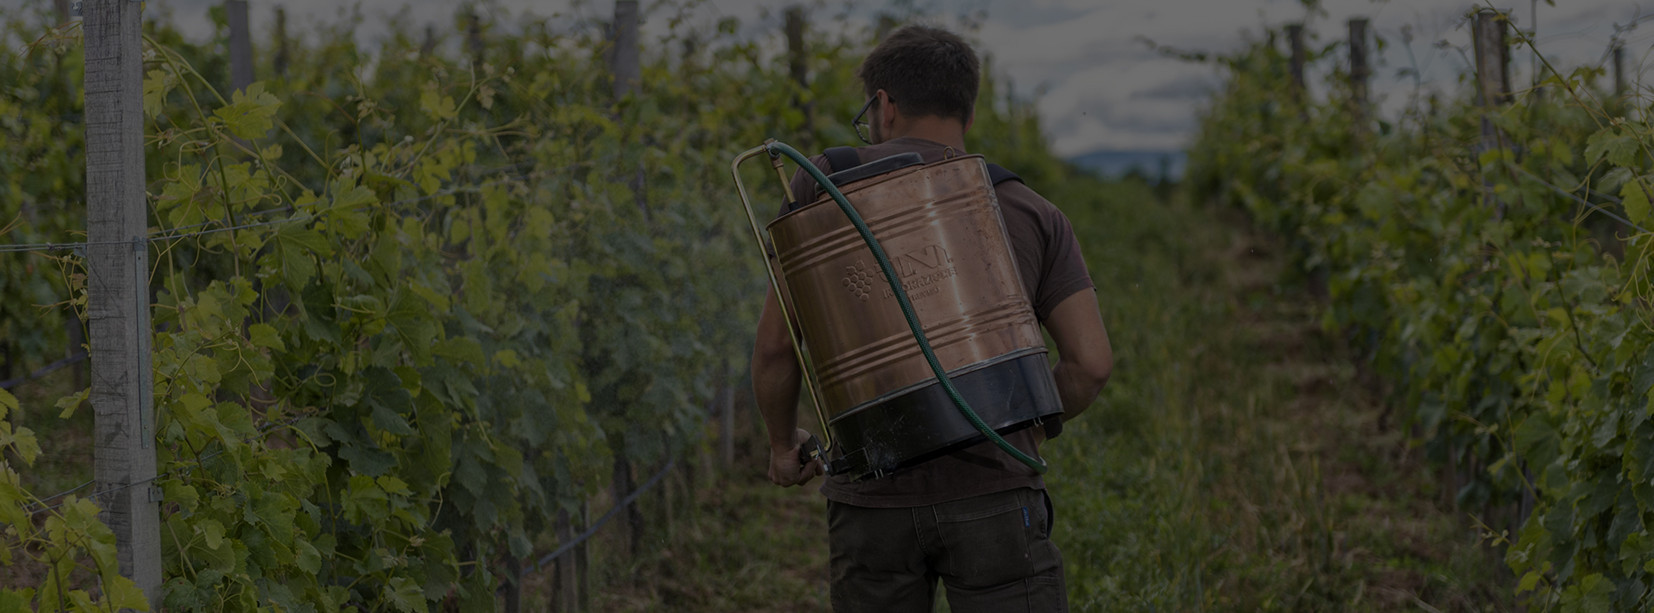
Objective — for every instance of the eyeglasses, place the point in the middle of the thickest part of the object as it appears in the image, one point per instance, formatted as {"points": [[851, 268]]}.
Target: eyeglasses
{"points": [[863, 130]]}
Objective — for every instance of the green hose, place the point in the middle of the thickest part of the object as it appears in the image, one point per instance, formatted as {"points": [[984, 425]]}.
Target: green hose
{"points": [[907, 307]]}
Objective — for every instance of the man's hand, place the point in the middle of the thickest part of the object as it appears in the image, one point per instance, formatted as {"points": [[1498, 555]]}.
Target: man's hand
{"points": [[785, 470]]}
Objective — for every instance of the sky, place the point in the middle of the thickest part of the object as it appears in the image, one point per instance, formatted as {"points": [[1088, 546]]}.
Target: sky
{"points": [[1088, 65]]}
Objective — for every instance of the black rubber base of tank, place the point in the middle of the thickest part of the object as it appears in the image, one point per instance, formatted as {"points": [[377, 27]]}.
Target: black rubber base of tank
{"points": [[880, 439]]}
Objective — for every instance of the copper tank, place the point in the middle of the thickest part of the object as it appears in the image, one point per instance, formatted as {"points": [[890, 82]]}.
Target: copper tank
{"points": [[941, 227]]}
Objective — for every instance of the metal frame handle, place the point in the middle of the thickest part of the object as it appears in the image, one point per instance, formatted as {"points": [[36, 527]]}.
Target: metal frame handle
{"points": [[780, 294]]}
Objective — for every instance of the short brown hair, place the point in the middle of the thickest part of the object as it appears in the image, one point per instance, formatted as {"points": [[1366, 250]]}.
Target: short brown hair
{"points": [[928, 71]]}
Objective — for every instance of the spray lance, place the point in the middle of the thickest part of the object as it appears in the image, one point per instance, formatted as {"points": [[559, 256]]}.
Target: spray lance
{"points": [[880, 377]]}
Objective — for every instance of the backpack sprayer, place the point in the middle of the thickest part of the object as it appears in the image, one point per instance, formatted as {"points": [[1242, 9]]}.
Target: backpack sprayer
{"points": [[909, 356]]}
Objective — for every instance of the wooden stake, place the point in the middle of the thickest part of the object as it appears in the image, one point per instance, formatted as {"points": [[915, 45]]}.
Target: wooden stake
{"points": [[61, 9], [887, 23], [241, 45], [726, 423], [624, 484], [1492, 58], [798, 56], [1359, 71], [623, 57], [1492, 82], [1295, 40], [582, 560], [118, 289], [282, 57], [565, 586], [512, 602], [1619, 70], [626, 66], [473, 37]]}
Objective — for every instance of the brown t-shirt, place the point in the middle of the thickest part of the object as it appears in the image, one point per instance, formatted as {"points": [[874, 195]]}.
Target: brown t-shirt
{"points": [[1048, 259]]}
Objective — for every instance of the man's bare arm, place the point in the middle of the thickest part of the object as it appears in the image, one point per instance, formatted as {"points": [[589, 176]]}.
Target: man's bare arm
{"points": [[776, 378], [1084, 358]]}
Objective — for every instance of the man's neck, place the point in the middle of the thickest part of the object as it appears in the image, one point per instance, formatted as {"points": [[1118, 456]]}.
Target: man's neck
{"points": [[944, 130]]}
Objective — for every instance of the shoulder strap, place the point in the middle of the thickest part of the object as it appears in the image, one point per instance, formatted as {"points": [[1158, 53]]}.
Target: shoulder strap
{"points": [[998, 174], [841, 158], [838, 158]]}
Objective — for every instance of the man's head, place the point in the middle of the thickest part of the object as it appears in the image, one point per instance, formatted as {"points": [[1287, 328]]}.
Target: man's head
{"points": [[926, 71]]}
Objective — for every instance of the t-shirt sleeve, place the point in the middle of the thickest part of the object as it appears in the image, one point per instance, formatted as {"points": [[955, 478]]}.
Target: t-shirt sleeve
{"points": [[1063, 270]]}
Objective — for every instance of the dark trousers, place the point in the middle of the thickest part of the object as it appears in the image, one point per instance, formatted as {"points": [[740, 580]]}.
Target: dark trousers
{"points": [[992, 552]]}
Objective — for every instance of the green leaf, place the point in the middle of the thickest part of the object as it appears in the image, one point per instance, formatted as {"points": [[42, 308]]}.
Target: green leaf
{"points": [[181, 494], [212, 532], [8, 402], [306, 557], [1635, 201], [249, 114], [393, 485], [507, 358], [367, 460], [25, 444], [121, 593], [266, 336], [462, 348], [1528, 582], [15, 600], [414, 324], [296, 245], [1618, 148], [364, 502], [404, 594], [157, 84], [1592, 594], [436, 105], [67, 404], [386, 419]]}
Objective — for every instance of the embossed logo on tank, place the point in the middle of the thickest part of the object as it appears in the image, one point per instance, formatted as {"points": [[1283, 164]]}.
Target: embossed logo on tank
{"points": [[858, 280], [921, 271], [921, 261]]}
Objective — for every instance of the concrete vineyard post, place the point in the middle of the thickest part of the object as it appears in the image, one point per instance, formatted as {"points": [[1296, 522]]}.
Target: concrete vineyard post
{"points": [[118, 289], [241, 45]]}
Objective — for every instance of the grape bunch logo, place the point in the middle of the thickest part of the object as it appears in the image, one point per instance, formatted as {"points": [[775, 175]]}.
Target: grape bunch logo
{"points": [[857, 280]]}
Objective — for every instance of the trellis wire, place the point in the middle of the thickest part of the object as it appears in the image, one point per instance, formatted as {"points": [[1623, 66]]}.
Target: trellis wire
{"points": [[124, 486], [592, 530], [45, 370], [172, 234]]}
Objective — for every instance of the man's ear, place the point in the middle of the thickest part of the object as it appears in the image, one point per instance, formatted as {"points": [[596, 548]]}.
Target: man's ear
{"points": [[888, 110], [970, 120]]}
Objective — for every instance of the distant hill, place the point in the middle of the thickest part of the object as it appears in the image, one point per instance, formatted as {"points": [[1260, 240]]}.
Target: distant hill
{"points": [[1115, 164]]}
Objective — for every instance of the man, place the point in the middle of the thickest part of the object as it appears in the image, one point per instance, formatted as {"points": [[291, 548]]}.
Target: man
{"points": [[977, 519]]}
